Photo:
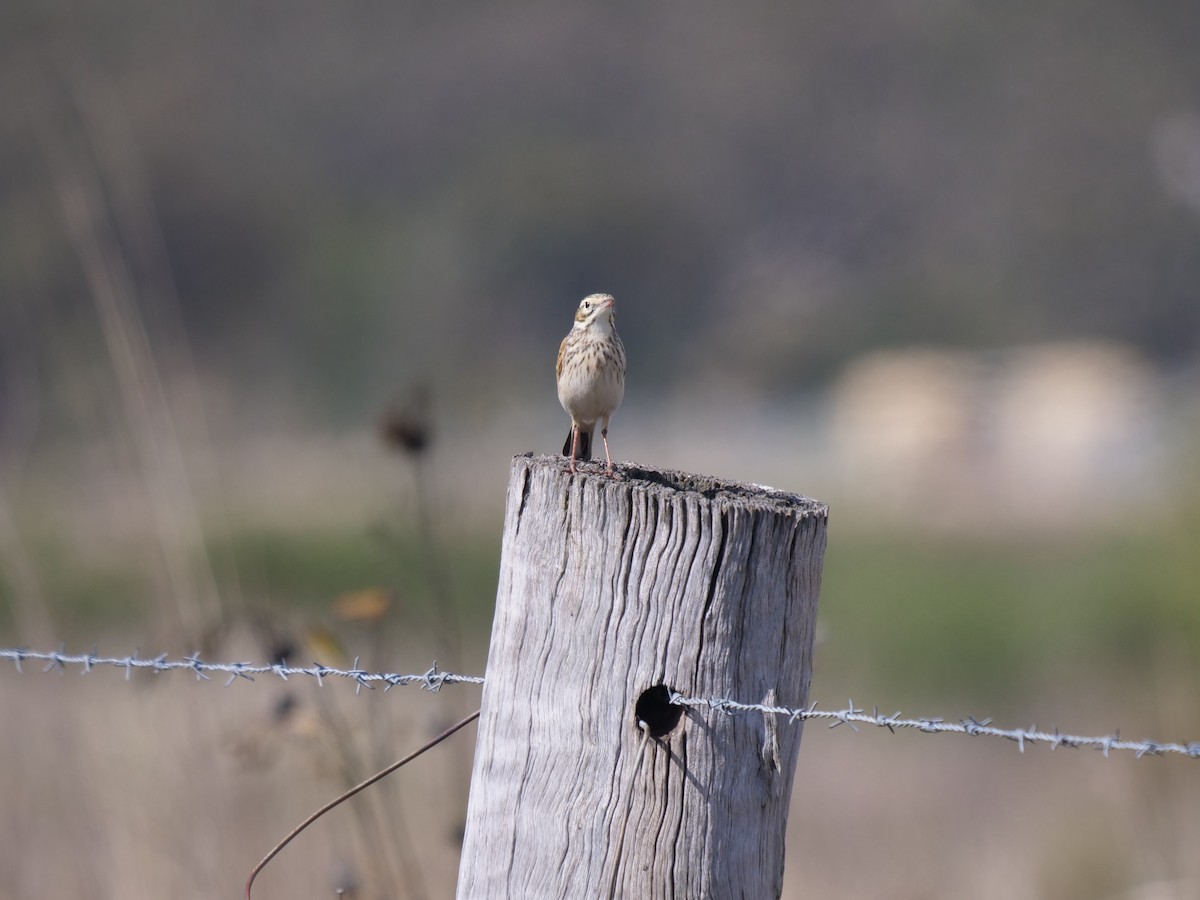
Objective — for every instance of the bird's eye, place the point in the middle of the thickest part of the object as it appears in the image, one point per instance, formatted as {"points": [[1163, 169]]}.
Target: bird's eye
{"points": [[587, 304]]}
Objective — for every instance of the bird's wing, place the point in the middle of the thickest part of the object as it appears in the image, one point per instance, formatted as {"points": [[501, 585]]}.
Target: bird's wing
{"points": [[558, 365]]}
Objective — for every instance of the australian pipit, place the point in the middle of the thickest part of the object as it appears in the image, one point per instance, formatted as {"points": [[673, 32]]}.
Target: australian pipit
{"points": [[591, 375]]}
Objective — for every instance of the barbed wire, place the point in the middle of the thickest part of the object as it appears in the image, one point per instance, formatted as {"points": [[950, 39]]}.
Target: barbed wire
{"points": [[432, 680], [853, 716], [435, 679]]}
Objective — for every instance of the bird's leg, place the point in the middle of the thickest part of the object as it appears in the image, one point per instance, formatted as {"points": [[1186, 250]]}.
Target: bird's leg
{"points": [[608, 459], [574, 445]]}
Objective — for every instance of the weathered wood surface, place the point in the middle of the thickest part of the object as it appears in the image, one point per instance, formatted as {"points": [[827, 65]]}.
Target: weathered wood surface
{"points": [[607, 588]]}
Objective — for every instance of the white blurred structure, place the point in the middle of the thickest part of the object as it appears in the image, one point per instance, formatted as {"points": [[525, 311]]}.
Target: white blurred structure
{"points": [[1054, 433]]}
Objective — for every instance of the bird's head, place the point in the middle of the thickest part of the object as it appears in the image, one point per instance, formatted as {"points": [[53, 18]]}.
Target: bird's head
{"points": [[596, 309]]}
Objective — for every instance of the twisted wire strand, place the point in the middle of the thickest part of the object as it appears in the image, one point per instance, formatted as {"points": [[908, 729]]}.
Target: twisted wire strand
{"points": [[431, 680], [434, 679], [853, 716]]}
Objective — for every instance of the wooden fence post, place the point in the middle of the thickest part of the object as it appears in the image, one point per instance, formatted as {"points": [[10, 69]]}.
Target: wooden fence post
{"points": [[610, 588]]}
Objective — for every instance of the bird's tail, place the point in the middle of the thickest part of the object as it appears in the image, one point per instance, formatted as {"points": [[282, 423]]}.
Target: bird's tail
{"points": [[584, 452]]}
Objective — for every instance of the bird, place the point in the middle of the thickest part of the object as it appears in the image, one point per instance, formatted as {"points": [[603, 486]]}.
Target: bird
{"points": [[591, 375]]}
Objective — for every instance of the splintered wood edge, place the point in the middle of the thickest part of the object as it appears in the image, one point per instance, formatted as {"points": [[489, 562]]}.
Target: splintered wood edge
{"points": [[672, 481]]}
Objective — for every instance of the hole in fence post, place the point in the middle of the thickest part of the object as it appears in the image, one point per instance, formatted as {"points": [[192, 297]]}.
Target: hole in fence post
{"points": [[654, 707]]}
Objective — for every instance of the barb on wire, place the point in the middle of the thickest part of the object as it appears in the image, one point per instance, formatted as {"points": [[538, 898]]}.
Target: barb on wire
{"points": [[432, 680], [853, 715]]}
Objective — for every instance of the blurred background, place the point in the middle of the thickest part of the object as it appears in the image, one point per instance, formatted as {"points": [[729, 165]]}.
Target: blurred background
{"points": [[281, 287]]}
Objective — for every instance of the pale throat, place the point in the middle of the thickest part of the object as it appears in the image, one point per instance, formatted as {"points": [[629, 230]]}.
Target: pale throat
{"points": [[599, 327]]}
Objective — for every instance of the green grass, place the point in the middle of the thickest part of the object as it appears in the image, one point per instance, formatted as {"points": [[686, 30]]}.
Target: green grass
{"points": [[292, 571], [305, 569], [906, 619], [995, 620], [308, 570], [86, 595]]}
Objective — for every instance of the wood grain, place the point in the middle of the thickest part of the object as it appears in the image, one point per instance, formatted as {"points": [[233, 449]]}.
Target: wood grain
{"points": [[609, 587]]}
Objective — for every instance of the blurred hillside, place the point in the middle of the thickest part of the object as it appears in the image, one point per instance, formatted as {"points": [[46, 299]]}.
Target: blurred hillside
{"points": [[336, 199]]}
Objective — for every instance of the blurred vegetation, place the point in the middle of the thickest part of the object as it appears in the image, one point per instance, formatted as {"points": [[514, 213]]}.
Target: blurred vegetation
{"points": [[351, 194], [999, 620], [907, 618], [313, 203]]}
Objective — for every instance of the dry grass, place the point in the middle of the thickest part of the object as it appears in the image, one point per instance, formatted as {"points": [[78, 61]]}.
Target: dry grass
{"points": [[165, 787], [169, 788]]}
